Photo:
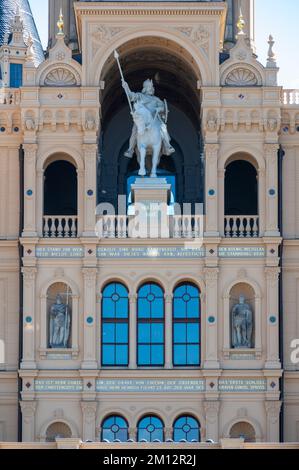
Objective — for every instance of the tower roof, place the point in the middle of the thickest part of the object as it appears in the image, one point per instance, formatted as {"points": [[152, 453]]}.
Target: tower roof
{"points": [[7, 13]]}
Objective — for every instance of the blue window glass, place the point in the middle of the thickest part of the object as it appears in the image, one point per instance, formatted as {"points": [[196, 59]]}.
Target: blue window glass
{"points": [[187, 428], [150, 428], [115, 325], [186, 325], [115, 427], [16, 75], [150, 325]]}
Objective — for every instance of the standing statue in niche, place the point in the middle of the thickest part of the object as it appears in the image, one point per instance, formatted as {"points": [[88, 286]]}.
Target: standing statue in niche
{"points": [[60, 321], [242, 324], [149, 135]]}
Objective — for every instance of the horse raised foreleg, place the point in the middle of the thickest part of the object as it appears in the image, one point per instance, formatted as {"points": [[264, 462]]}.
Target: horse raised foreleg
{"points": [[142, 151]]}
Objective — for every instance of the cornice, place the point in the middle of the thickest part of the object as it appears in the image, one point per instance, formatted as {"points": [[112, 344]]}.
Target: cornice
{"points": [[139, 8]]}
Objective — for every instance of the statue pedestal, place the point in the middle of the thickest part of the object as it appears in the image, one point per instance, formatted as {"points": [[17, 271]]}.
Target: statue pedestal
{"points": [[149, 209]]}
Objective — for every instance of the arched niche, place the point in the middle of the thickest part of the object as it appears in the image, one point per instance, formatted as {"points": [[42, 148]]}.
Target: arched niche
{"points": [[243, 429], [59, 316], [242, 329], [58, 429], [251, 294], [175, 79]]}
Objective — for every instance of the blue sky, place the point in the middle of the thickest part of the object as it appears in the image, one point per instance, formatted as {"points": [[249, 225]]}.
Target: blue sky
{"points": [[277, 17]]}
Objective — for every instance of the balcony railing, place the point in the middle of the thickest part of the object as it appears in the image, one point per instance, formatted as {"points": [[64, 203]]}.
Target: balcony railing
{"points": [[177, 226], [241, 226], [291, 97], [60, 226]]}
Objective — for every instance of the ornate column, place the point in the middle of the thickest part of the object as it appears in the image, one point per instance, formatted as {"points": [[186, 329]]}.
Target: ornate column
{"points": [[271, 190], [90, 188], [28, 409], [272, 280], [212, 419], [29, 320], [221, 205], [168, 331], [211, 188], [272, 416], [211, 319], [39, 201], [89, 410], [262, 200], [30, 196], [81, 199], [89, 352], [133, 332]]}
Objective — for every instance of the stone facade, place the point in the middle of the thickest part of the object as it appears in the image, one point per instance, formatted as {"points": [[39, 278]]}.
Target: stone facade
{"points": [[61, 113]]}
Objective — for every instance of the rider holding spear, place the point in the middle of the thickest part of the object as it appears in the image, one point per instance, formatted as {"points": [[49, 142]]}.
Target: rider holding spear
{"points": [[158, 109]]}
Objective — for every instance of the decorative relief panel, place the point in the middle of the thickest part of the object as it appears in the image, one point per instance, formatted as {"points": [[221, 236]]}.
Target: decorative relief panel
{"points": [[60, 77], [199, 36], [242, 76]]}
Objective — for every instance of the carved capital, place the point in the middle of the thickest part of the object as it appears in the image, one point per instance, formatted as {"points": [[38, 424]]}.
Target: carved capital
{"points": [[30, 151], [273, 410], [211, 274], [133, 298], [89, 275], [211, 150], [168, 298], [89, 410], [271, 150], [28, 409], [90, 150], [29, 275], [272, 274], [211, 411]]}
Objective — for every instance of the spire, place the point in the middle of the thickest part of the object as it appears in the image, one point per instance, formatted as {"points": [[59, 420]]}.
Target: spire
{"points": [[271, 61], [241, 24], [17, 30], [15, 14], [60, 24]]}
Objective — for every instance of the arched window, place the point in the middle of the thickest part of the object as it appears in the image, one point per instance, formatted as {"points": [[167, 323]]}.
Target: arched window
{"points": [[60, 189], [115, 427], [56, 430], [186, 427], [186, 325], [241, 189], [115, 325], [243, 430], [150, 428], [150, 325]]}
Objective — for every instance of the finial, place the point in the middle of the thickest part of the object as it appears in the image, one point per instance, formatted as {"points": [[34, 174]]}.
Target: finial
{"points": [[60, 23], [271, 61], [241, 24]]}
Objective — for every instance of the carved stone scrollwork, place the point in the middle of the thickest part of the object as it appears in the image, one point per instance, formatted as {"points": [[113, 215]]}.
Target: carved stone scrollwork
{"points": [[89, 411], [90, 275], [242, 76], [211, 274], [211, 410]]}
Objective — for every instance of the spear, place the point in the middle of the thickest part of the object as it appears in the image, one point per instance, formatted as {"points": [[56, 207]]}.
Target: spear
{"points": [[116, 56]]}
